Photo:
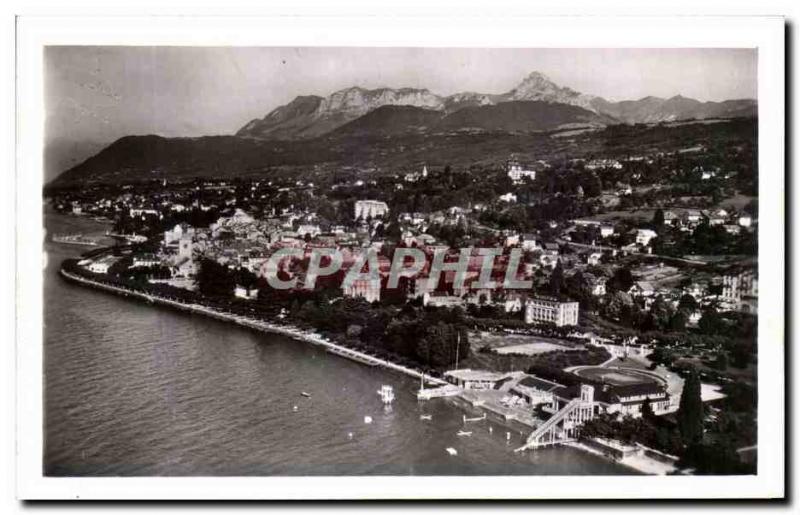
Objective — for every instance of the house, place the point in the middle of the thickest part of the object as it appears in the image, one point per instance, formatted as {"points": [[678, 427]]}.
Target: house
{"points": [[442, 301], [243, 292], [309, 230], [717, 217], [474, 379], [643, 236], [732, 229], [177, 233], [696, 289], [627, 400], [671, 217], [102, 265], [547, 260], [606, 231], [516, 172], [597, 164], [624, 400], [597, 285], [642, 289], [508, 197], [693, 216], [745, 221], [594, 258], [145, 261], [511, 240], [535, 390], [529, 243], [184, 267]]}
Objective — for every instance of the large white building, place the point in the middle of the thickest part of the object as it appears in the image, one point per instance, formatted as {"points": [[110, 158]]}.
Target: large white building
{"points": [[102, 265], [369, 290], [178, 232], [551, 311], [741, 290], [370, 209], [516, 172]]}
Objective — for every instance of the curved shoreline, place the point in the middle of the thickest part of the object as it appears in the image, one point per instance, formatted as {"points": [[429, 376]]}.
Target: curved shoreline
{"points": [[289, 331]]}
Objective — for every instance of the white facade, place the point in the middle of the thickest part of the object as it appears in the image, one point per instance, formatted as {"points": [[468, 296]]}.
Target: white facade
{"points": [[245, 293], [735, 287], [643, 236], [102, 265], [370, 209], [606, 231], [516, 172], [369, 290], [551, 311]]}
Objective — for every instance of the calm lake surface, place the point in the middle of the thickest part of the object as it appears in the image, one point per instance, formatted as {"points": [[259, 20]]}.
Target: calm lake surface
{"points": [[133, 389]]}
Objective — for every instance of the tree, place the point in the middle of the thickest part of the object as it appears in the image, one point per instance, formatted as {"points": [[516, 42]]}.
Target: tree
{"points": [[618, 304], [741, 354], [647, 410], [663, 356], [721, 363], [658, 218], [622, 280], [661, 313], [690, 411], [557, 279], [678, 321], [711, 322], [214, 279], [687, 303]]}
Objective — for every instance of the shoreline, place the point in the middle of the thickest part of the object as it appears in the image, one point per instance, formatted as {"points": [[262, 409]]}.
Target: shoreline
{"points": [[641, 464], [289, 331]]}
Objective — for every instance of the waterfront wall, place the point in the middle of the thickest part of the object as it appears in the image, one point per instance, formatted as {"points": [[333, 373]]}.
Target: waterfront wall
{"points": [[285, 330]]}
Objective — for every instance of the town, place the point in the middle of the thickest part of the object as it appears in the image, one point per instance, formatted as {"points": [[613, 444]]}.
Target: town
{"points": [[610, 297]]}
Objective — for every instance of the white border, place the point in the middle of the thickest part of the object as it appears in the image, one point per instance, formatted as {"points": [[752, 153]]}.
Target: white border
{"points": [[764, 33]]}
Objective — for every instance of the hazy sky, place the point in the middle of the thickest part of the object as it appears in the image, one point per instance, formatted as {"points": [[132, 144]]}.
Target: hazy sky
{"points": [[102, 93]]}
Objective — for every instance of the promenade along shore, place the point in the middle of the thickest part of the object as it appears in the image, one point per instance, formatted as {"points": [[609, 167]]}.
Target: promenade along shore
{"points": [[285, 330]]}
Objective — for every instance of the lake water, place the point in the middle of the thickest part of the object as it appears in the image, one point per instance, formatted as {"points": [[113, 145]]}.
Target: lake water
{"points": [[135, 389]]}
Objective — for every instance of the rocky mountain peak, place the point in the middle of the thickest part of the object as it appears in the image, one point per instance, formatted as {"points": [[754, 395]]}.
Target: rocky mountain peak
{"points": [[537, 86]]}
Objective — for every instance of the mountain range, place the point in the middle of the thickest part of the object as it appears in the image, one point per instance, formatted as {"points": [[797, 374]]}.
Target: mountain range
{"points": [[387, 127], [312, 116]]}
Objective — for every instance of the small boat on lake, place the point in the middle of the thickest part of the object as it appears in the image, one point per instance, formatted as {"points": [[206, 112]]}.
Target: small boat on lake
{"points": [[473, 419], [387, 394]]}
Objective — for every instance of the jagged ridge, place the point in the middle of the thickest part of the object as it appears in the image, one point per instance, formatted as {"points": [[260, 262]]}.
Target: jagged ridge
{"points": [[312, 116]]}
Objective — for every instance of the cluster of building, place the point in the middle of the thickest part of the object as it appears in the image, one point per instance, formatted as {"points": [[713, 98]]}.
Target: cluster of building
{"points": [[246, 241], [530, 392]]}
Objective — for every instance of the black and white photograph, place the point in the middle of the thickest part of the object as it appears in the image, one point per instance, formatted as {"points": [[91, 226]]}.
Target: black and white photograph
{"points": [[372, 262]]}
